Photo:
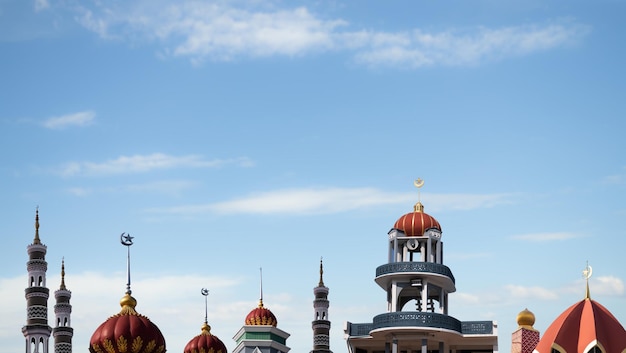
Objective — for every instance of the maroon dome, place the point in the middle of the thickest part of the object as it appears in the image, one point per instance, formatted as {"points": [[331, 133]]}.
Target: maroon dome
{"points": [[261, 316], [205, 342], [127, 331], [414, 224], [583, 326]]}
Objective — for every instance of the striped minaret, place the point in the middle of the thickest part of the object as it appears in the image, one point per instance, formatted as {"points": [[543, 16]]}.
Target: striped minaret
{"points": [[36, 331], [321, 323], [63, 331]]}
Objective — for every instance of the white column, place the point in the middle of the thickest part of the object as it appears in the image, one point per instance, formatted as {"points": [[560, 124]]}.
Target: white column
{"points": [[424, 295]]}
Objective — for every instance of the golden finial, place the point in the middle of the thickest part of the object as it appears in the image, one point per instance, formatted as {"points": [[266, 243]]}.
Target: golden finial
{"points": [[205, 329], [321, 284], [63, 273], [36, 240], [128, 304], [587, 272], [418, 206]]}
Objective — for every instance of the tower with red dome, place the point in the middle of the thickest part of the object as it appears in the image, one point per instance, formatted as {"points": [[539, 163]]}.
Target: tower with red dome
{"points": [[417, 285], [205, 342], [260, 333]]}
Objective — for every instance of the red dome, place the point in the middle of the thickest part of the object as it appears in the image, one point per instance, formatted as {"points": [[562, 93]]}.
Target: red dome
{"points": [[414, 224], [583, 326], [205, 342], [261, 316], [127, 331]]}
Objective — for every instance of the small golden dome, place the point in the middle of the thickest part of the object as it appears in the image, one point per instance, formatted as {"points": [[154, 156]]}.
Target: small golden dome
{"points": [[526, 318]]}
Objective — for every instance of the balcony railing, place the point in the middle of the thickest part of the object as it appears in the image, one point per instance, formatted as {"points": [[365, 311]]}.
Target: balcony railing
{"points": [[429, 267], [421, 320]]}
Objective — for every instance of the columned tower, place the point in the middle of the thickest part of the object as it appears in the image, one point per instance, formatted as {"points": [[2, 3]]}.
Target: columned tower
{"points": [[417, 285], [36, 331], [321, 323], [63, 331]]}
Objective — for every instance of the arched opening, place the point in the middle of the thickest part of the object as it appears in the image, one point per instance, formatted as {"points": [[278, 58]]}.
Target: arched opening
{"points": [[40, 282]]}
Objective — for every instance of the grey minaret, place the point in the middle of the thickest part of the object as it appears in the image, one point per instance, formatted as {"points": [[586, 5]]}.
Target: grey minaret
{"points": [[321, 323], [63, 331], [36, 331]]}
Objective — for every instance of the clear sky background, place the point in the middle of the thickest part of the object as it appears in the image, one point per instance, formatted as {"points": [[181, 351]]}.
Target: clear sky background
{"points": [[231, 135]]}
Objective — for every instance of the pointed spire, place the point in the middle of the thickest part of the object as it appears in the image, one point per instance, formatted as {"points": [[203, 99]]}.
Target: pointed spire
{"points": [[205, 328], [127, 241], [587, 272], [321, 284], [63, 274], [261, 296], [36, 240]]}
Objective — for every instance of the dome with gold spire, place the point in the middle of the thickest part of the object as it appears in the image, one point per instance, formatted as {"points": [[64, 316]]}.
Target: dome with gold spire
{"points": [[127, 331], [261, 316], [205, 342], [416, 223]]}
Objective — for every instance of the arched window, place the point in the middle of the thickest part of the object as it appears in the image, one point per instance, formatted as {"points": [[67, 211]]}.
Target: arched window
{"points": [[595, 349]]}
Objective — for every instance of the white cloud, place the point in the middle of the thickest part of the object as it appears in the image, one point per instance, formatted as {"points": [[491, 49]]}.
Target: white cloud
{"points": [[76, 119], [41, 5], [530, 293], [144, 163], [332, 200], [166, 187], [601, 285], [543, 237], [219, 31]]}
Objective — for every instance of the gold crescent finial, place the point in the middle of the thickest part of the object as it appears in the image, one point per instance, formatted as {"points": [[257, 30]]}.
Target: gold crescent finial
{"points": [[419, 182], [587, 272]]}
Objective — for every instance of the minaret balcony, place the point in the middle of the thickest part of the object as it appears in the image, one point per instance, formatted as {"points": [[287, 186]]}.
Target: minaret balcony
{"points": [[410, 321], [407, 271]]}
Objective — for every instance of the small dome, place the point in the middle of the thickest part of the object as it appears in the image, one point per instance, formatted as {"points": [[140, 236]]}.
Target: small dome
{"points": [[127, 331], [414, 224], [261, 316], [205, 342], [581, 327], [526, 318]]}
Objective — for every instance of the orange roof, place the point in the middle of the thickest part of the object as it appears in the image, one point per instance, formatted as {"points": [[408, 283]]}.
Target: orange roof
{"points": [[581, 327]]}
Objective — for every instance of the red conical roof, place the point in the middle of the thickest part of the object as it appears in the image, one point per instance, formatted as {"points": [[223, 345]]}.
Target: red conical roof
{"points": [[205, 342], [127, 331], [583, 326]]}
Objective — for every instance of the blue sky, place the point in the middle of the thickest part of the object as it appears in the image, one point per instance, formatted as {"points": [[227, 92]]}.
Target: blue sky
{"points": [[231, 135]]}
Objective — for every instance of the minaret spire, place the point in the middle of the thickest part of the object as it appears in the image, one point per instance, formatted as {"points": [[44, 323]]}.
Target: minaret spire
{"points": [[127, 241], [261, 287], [63, 331], [321, 284], [37, 331], [36, 240], [321, 323]]}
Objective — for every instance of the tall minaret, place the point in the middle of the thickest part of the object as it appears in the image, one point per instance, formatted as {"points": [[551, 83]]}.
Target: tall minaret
{"points": [[36, 331], [63, 330], [321, 324]]}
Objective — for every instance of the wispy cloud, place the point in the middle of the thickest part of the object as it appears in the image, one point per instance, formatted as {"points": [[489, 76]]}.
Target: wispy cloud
{"points": [[219, 31], [41, 5], [76, 119], [530, 293], [166, 187], [145, 163], [544, 237], [601, 285], [331, 200]]}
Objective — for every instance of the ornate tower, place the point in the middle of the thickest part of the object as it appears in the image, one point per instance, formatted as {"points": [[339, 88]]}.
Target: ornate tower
{"points": [[36, 331], [259, 333], [63, 331], [321, 323], [417, 284]]}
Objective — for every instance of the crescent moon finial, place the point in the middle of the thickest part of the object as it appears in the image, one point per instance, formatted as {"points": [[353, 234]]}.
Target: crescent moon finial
{"points": [[419, 182], [587, 272]]}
